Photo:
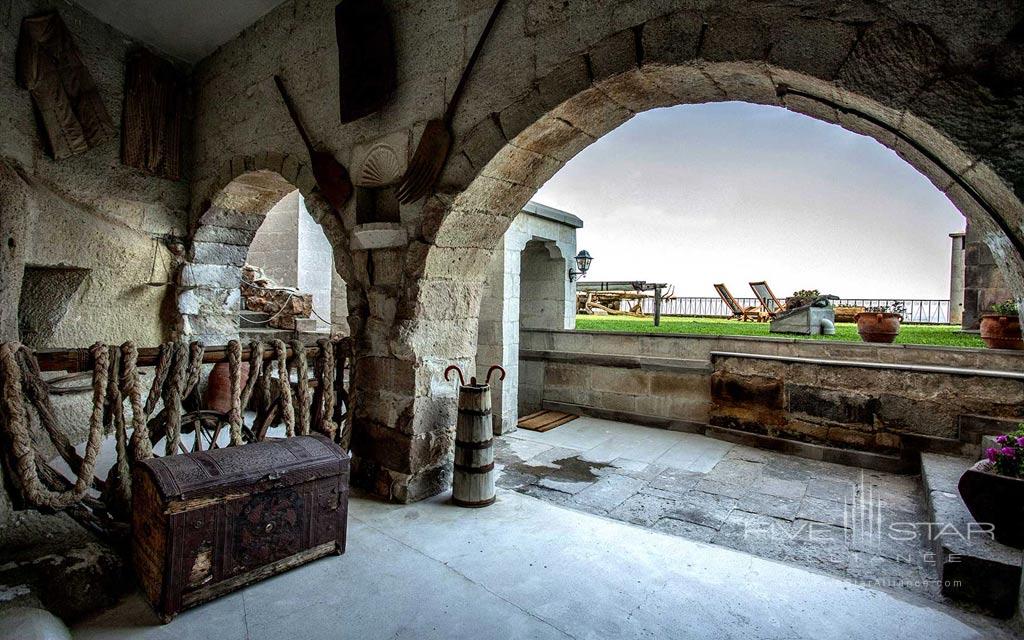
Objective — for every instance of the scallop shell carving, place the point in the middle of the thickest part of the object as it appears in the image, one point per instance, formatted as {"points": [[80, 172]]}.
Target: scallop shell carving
{"points": [[381, 167]]}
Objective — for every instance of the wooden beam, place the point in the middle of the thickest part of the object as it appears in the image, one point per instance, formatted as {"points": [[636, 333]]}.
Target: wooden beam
{"points": [[75, 360]]}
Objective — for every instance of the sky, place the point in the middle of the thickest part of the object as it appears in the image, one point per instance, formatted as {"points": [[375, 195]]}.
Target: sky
{"points": [[733, 192]]}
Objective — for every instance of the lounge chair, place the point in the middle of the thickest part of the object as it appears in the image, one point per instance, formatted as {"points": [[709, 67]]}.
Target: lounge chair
{"points": [[769, 302], [753, 314]]}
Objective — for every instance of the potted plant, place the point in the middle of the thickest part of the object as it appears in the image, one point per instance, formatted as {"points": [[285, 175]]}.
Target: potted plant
{"points": [[993, 489], [880, 324], [802, 298], [1001, 328]]}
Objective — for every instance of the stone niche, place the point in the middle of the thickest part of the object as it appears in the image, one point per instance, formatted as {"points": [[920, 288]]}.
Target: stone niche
{"points": [[46, 294]]}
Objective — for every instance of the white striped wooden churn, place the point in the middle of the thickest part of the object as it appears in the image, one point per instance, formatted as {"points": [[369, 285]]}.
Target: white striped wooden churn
{"points": [[473, 478]]}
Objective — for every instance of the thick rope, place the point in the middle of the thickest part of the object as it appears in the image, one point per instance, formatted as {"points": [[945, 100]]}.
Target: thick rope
{"points": [[164, 361], [119, 491], [255, 372], [173, 394], [235, 376], [284, 380], [302, 388], [17, 426], [141, 448], [325, 398]]}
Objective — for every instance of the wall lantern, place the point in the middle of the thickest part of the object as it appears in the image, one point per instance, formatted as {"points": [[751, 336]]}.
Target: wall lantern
{"points": [[583, 259]]}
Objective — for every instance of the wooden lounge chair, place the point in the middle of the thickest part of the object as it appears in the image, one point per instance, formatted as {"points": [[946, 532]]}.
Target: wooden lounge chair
{"points": [[768, 301], [753, 314]]}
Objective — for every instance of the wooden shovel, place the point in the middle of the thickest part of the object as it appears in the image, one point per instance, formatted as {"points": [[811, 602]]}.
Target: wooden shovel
{"points": [[330, 175], [436, 143]]}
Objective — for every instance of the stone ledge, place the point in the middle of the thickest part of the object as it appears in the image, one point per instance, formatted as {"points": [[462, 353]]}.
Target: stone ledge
{"points": [[809, 451], [645, 363], [972, 568], [915, 368]]}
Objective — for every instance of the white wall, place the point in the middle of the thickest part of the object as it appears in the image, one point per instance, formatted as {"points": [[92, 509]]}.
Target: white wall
{"points": [[498, 334], [292, 250]]}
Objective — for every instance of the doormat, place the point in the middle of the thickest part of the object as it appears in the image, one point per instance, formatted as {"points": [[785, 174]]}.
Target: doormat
{"points": [[545, 420]]}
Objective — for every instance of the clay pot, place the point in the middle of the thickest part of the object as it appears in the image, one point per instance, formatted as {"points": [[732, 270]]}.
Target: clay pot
{"points": [[996, 500], [1001, 332], [878, 327], [218, 387]]}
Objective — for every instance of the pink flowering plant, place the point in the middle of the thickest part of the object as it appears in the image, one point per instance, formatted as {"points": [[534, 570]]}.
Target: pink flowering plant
{"points": [[1008, 454]]}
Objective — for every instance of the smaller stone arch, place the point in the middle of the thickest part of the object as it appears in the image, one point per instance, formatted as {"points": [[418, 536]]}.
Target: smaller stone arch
{"points": [[208, 284]]}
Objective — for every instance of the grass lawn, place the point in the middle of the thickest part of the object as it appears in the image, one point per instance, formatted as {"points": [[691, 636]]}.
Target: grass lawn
{"points": [[943, 335]]}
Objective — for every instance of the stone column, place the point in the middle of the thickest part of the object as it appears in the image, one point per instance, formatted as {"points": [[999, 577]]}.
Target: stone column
{"points": [[956, 278]]}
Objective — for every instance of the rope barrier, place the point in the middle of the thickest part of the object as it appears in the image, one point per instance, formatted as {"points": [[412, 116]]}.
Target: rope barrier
{"points": [[116, 382]]}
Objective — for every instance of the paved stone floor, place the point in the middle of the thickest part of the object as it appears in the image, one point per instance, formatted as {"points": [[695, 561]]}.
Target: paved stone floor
{"points": [[818, 515], [524, 568]]}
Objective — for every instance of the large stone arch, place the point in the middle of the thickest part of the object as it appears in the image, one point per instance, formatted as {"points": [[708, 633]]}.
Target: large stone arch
{"points": [[941, 84], [516, 160]]}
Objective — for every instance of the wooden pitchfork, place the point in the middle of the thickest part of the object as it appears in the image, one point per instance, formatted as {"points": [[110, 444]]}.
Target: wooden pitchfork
{"points": [[436, 143], [330, 175]]}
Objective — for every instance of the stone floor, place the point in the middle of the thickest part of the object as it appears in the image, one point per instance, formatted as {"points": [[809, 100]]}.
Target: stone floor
{"points": [[524, 568], [818, 515]]}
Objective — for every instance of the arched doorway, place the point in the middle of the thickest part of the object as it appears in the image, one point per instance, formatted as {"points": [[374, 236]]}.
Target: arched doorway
{"points": [[515, 161], [258, 215]]}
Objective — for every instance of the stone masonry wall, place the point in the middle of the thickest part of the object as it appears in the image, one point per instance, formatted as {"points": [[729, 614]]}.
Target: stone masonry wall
{"points": [[984, 284], [939, 83], [675, 382], [87, 211]]}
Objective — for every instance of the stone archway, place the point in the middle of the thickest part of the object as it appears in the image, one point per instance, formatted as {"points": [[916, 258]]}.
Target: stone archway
{"points": [[208, 284], [514, 167], [940, 85]]}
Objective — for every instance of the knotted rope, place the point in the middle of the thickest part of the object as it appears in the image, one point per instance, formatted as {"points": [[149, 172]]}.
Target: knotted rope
{"points": [[324, 398], [16, 423], [302, 388], [115, 379], [285, 387]]}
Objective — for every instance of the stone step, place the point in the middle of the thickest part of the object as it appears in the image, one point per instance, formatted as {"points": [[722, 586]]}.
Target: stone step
{"points": [[252, 319], [972, 566]]}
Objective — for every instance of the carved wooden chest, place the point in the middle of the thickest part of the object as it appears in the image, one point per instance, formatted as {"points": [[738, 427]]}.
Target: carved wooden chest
{"points": [[207, 523]]}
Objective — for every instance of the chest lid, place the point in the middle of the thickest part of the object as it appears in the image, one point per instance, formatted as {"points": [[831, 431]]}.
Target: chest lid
{"points": [[277, 463]]}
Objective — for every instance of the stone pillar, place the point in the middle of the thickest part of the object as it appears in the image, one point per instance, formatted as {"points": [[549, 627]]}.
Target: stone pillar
{"points": [[984, 284], [956, 278]]}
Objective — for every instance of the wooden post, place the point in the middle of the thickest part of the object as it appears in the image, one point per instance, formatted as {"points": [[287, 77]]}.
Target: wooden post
{"points": [[657, 306]]}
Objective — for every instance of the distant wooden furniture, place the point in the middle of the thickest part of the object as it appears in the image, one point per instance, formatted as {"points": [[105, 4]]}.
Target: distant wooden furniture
{"points": [[752, 314], [771, 305], [205, 524], [847, 314]]}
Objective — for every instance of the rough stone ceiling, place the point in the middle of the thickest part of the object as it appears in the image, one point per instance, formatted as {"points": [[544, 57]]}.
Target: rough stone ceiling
{"points": [[185, 29]]}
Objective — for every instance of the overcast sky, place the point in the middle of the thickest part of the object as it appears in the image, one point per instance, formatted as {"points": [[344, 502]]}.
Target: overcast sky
{"points": [[733, 192]]}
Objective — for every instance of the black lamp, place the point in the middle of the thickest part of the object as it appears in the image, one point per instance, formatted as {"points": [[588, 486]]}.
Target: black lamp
{"points": [[583, 260]]}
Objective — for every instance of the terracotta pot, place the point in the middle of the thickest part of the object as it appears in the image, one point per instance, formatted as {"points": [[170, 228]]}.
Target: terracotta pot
{"points": [[218, 387], [878, 327], [1001, 332], [996, 500]]}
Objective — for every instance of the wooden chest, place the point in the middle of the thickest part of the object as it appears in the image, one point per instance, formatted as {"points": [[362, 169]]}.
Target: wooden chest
{"points": [[207, 523]]}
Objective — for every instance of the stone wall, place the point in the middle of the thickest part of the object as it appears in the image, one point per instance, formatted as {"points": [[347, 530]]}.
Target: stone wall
{"points": [[984, 284], [88, 211], [939, 84], [782, 389], [509, 283], [276, 244]]}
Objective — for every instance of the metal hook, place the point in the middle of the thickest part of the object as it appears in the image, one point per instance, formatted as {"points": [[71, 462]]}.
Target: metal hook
{"points": [[456, 369], [487, 378]]}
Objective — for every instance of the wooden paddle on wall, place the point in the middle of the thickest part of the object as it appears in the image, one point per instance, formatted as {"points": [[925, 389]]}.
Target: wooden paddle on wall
{"points": [[436, 143], [330, 175]]}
